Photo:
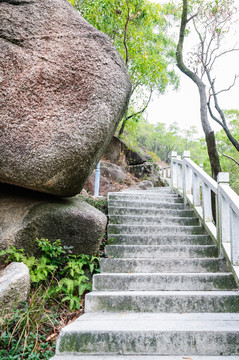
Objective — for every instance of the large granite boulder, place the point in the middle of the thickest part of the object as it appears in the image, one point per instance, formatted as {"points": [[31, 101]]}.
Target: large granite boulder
{"points": [[26, 215], [14, 285], [64, 89]]}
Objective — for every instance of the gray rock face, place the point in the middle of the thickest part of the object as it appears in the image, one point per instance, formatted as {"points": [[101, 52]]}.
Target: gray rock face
{"points": [[146, 170], [113, 172], [145, 184], [116, 148], [63, 91], [133, 157], [105, 185], [14, 285], [27, 216]]}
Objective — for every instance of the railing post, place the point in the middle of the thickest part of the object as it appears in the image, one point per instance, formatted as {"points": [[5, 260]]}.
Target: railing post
{"points": [[223, 212], [173, 170], [97, 180], [187, 177], [234, 232]]}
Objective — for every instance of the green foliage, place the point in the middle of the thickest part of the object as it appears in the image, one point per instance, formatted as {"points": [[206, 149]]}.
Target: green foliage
{"points": [[65, 272], [139, 31], [100, 204], [57, 277], [225, 147], [111, 241], [24, 331], [150, 48], [159, 140]]}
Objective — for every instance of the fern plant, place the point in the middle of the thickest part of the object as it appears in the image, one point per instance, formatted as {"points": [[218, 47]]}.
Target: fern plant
{"points": [[57, 266]]}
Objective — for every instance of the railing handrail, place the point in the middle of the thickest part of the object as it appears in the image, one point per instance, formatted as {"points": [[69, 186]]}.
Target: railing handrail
{"points": [[205, 177], [218, 214], [232, 197]]}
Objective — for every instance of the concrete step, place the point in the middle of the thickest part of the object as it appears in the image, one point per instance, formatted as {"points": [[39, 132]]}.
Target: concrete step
{"points": [[152, 220], [164, 282], [155, 229], [144, 196], [151, 334], [163, 301], [161, 251], [172, 265], [154, 239], [146, 204], [149, 212], [141, 357]]}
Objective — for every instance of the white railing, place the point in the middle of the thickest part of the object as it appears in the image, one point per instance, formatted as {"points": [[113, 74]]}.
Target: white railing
{"points": [[215, 203]]}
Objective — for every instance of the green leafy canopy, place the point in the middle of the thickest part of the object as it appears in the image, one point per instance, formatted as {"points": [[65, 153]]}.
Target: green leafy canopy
{"points": [[139, 31]]}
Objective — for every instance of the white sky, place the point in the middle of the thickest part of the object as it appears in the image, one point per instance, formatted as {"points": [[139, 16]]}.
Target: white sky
{"points": [[182, 106]]}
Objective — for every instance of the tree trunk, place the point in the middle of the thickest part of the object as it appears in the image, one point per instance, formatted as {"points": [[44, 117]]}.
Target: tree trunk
{"points": [[209, 134], [123, 126]]}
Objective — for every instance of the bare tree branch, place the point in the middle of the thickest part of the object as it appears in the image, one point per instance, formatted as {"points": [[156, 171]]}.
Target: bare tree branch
{"points": [[230, 86], [229, 157], [221, 122], [223, 53], [212, 115]]}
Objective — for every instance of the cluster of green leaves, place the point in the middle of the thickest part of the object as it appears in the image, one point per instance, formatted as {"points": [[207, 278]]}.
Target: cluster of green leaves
{"points": [[57, 277], [59, 267], [150, 48], [139, 31], [225, 147], [159, 140], [23, 333], [100, 204]]}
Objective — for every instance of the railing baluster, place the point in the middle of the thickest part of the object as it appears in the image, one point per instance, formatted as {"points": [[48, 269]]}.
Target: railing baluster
{"points": [[179, 175], [206, 202], [223, 213], [234, 232], [196, 190]]}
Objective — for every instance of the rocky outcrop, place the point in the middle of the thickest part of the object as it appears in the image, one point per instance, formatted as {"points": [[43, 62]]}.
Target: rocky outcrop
{"points": [[105, 185], [145, 184], [113, 150], [113, 172], [26, 216], [117, 148], [133, 157], [14, 285], [146, 170], [64, 89], [111, 177]]}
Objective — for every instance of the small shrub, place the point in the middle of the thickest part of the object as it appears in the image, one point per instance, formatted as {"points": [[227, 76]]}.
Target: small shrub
{"points": [[100, 204], [58, 283]]}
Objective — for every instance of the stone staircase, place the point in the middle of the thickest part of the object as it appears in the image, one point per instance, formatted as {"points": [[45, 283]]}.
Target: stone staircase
{"points": [[162, 293]]}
